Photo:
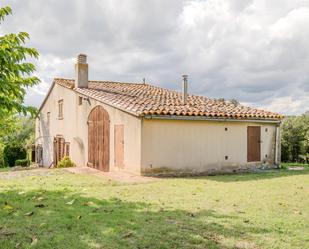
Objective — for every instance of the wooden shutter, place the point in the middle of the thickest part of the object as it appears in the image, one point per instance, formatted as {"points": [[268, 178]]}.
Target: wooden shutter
{"points": [[67, 149], [119, 146], [59, 149]]}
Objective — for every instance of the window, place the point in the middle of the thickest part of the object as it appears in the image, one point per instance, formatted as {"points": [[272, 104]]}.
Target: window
{"points": [[48, 119], [60, 109], [80, 100]]}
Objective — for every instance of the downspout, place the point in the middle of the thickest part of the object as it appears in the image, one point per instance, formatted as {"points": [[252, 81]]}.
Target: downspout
{"points": [[277, 146]]}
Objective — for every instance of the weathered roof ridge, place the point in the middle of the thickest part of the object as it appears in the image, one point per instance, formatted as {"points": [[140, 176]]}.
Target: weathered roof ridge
{"points": [[142, 99]]}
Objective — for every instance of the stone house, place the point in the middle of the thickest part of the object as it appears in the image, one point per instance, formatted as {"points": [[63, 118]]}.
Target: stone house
{"points": [[145, 129]]}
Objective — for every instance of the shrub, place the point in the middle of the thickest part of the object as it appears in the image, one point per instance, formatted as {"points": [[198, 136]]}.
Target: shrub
{"points": [[13, 152], [65, 162], [22, 162], [1, 157]]}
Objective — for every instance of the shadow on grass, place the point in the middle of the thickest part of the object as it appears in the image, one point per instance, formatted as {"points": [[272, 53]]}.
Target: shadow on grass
{"points": [[255, 176], [49, 219]]}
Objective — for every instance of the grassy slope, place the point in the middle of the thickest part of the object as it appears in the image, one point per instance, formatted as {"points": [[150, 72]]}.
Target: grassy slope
{"points": [[269, 210]]}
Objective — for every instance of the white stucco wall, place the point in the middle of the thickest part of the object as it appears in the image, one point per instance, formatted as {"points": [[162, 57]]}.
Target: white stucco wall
{"points": [[73, 127], [201, 145]]}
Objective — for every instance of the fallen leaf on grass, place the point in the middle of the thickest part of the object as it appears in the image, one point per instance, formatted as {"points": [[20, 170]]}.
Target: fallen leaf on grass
{"points": [[191, 214], [6, 233], [127, 235], [29, 213], [21, 192], [70, 202], [246, 221], [7, 207], [18, 245], [34, 241], [95, 210], [89, 203], [41, 205], [296, 211], [79, 217]]}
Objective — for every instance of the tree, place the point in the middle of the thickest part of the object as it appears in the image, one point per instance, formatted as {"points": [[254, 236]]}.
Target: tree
{"points": [[15, 73], [235, 102], [19, 131], [295, 139]]}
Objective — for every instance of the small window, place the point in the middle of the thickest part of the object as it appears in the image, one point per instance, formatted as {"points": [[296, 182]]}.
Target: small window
{"points": [[48, 119], [60, 109], [67, 149]]}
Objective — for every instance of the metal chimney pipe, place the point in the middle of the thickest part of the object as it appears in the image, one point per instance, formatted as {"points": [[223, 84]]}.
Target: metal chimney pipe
{"points": [[185, 89]]}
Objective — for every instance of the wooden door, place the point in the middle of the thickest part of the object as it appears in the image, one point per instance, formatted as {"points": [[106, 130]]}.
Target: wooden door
{"points": [[98, 139], [119, 146], [254, 143]]}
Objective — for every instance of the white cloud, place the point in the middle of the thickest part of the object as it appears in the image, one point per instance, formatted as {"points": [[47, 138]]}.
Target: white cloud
{"points": [[254, 50]]}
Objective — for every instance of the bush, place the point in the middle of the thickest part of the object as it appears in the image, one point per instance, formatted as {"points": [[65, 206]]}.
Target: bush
{"points": [[1, 156], [22, 162], [13, 152], [65, 162]]}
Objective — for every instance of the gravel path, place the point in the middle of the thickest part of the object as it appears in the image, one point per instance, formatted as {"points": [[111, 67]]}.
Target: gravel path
{"points": [[115, 176], [25, 173]]}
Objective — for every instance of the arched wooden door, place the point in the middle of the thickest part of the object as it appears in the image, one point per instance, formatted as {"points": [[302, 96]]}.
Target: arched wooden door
{"points": [[98, 139]]}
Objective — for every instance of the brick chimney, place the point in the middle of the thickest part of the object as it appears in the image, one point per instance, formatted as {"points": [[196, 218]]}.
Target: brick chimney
{"points": [[81, 71]]}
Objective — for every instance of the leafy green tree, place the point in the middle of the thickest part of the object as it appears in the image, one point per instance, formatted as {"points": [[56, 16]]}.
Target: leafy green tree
{"points": [[19, 132], [15, 72], [295, 139]]}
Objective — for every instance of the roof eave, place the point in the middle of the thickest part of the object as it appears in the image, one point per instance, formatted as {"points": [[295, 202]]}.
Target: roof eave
{"points": [[46, 97], [205, 118]]}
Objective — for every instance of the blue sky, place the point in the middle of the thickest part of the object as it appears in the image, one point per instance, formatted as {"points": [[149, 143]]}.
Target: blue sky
{"points": [[254, 51]]}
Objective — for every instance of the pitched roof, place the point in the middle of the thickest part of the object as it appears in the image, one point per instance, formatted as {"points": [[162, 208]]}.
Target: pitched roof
{"points": [[144, 99]]}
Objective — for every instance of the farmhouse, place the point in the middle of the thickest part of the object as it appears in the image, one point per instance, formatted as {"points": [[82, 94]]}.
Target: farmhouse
{"points": [[145, 129]]}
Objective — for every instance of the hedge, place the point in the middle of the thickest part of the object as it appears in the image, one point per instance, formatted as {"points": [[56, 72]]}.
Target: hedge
{"points": [[13, 152], [22, 162]]}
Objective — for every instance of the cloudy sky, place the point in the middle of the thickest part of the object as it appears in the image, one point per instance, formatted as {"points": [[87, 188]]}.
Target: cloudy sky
{"points": [[256, 51]]}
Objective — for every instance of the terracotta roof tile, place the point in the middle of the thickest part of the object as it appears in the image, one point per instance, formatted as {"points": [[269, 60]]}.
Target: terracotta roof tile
{"points": [[144, 99]]}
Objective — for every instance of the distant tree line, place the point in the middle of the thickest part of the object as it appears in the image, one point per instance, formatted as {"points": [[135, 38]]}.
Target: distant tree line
{"points": [[295, 139]]}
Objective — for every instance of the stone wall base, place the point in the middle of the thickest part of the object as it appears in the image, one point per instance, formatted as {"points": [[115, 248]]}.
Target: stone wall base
{"points": [[168, 172]]}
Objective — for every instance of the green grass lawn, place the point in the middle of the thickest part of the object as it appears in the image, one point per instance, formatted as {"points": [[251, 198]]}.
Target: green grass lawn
{"points": [[63, 210], [286, 165]]}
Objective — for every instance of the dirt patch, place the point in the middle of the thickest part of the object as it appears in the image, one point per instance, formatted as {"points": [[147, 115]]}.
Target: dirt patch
{"points": [[114, 176], [25, 173]]}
